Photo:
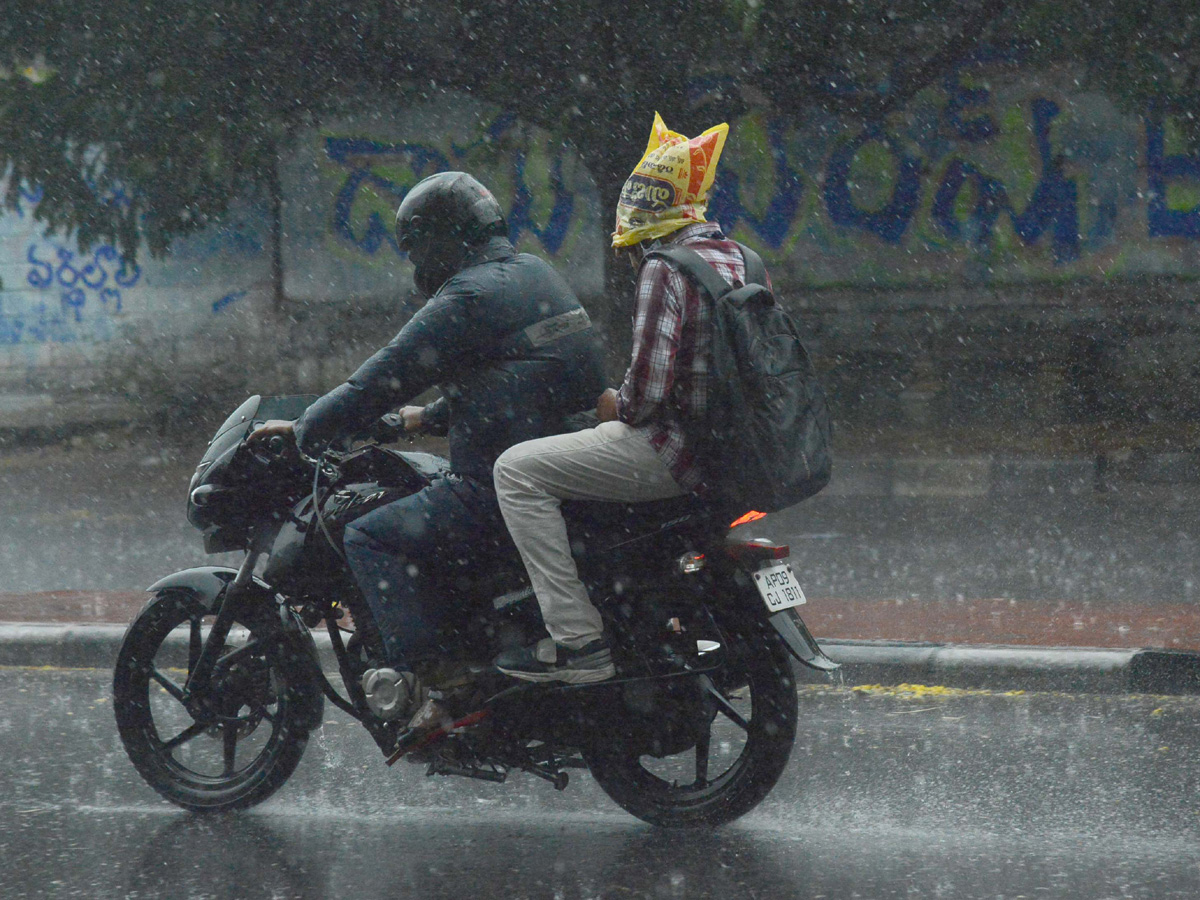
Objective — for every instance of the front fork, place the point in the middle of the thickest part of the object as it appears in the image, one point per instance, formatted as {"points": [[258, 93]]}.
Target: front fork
{"points": [[197, 695], [197, 689]]}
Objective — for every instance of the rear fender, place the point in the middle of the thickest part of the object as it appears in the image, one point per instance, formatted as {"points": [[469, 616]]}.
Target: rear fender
{"points": [[800, 642], [206, 584], [745, 557]]}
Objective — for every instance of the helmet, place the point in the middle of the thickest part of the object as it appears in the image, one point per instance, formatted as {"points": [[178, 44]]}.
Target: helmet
{"points": [[440, 220]]}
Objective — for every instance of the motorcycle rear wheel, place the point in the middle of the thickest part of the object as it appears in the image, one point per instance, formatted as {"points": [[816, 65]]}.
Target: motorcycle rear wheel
{"points": [[244, 754], [751, 728]]}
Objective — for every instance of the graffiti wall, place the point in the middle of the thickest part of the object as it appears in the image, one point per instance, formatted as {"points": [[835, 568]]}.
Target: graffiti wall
{"points": [[342, 185], [986, 178], [347, 179], [59, 304], [53, 293], [983, 178]]}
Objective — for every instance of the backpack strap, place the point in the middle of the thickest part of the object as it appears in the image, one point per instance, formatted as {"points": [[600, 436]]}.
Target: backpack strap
{"points": [[692, 265], [756, 272]]}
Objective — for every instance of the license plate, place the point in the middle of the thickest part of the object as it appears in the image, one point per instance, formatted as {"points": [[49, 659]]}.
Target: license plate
{"points": [[779, 587]]}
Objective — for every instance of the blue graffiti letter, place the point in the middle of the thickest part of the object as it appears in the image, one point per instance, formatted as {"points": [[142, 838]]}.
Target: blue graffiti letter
{"points": [[889, 223], [775, 224], [1164, 221], [41, 275], [1053, 207], [358, 156]]}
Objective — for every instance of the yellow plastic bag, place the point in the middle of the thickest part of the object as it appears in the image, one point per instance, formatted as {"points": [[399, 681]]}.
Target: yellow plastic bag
{"points": [[669, 187]]}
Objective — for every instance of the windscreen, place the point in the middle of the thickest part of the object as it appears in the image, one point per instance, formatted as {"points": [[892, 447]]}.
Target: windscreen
{"points": [[256, 409], [232, 430]]}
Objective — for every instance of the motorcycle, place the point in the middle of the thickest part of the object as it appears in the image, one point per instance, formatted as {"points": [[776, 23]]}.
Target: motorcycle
{"points": [[219, 682]]}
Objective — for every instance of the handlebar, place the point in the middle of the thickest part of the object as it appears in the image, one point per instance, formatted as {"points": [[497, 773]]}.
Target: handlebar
{"points": [[387, 429]]}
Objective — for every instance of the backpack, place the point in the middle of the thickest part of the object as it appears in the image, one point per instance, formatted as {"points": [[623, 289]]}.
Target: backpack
{"points": [[767, 431]]}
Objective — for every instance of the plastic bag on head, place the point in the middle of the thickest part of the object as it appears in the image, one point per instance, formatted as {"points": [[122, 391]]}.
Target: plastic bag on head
{"points": [[669, 187]]}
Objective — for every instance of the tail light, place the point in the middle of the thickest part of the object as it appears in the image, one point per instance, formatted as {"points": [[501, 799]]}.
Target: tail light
{"points": [[752, 516]]}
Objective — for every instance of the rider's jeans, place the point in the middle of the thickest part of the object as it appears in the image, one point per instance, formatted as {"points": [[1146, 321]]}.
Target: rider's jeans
{"points": [[407, 555], [610, 462]]}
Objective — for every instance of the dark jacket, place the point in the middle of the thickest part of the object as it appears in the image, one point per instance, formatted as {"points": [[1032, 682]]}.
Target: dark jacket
{"points": [[505, 340]]}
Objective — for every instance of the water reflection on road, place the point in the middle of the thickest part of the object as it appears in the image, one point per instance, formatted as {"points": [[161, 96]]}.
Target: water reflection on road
{"points": [[967, 795], [430, 853]]}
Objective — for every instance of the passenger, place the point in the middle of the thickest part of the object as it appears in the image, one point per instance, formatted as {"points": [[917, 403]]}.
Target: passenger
{"points": [[640, 451]]}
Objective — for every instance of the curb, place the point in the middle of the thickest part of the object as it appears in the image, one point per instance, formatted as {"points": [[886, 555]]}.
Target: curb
{"points": [[60, 646], [1058, 669]]}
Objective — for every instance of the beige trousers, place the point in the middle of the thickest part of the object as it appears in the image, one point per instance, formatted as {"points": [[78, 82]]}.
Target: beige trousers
{"points": [[612, 462]]}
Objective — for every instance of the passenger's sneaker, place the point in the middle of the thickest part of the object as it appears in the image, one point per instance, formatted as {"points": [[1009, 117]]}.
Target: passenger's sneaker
{"points": [[548, 661]]}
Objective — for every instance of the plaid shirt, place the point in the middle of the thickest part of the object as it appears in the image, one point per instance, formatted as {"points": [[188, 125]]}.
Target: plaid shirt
{"points": [[667, 381]]}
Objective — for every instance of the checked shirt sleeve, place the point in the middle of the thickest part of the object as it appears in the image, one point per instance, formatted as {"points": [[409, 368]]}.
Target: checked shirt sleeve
{"points": [[657, 327]]}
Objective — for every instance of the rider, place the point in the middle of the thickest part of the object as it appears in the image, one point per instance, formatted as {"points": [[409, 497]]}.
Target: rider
{"points": [[641, 450], [505, 339]]}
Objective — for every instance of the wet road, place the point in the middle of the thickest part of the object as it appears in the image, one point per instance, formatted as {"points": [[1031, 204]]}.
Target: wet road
{"points": [[114, 520], [914, 795]]}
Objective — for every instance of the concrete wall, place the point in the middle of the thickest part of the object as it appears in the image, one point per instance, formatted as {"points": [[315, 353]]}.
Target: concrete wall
{"points": [[342, 185], [89, 335], [1006, 251], [71, 320]]}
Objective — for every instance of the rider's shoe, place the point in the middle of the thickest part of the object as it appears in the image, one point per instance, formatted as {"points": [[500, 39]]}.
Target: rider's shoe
{"points": [[431, 716], [548, 661], [419, 737]]}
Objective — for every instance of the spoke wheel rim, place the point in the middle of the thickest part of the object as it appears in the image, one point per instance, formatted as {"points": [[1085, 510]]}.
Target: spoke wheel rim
{"points": [[736, 714], [207, 755]]}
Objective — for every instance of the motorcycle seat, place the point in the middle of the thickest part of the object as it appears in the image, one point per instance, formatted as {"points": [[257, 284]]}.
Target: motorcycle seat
{"points": [[634, 518]]}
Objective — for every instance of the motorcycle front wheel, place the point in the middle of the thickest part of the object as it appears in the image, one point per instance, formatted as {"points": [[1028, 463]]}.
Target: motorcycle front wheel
{"points": [[251, 740], [744, 736]]}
